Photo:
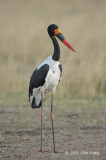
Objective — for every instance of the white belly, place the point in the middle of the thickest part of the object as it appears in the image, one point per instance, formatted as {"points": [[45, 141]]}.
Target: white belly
{"points": [[52, 79]]}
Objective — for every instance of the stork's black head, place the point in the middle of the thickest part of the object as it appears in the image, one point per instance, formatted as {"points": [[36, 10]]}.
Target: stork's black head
{"points": [[51, 29], [54, 31]]}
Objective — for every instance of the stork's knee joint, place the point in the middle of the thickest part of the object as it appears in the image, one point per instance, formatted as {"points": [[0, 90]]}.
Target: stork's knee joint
{"points": [[41, 115], [52, 116]]}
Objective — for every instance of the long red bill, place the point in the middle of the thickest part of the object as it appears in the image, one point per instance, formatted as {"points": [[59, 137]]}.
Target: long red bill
{"points": [[68, 45]]}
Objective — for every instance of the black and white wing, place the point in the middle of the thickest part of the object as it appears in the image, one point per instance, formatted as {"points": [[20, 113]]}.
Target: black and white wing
{"points": [[38, 78]]}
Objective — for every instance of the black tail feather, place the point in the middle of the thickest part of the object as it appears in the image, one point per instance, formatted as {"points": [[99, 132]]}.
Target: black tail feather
{"points": [[33, 105]]}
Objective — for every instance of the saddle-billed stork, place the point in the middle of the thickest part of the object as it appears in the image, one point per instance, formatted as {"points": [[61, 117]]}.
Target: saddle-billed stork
{"points": [[47, 75]]}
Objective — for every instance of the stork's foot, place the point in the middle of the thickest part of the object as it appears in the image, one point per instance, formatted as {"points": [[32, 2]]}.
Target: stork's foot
{"points": [[55, 151], [40, 150]]}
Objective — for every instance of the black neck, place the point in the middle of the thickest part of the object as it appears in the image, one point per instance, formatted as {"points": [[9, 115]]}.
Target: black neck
{"points": [[56, 55]]}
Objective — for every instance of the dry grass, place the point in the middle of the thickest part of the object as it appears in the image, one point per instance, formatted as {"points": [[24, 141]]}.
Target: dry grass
{"points": [[24, 43]]}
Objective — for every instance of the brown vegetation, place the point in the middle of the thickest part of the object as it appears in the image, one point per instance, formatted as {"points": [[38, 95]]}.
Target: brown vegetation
{"points": [[24, 43]]}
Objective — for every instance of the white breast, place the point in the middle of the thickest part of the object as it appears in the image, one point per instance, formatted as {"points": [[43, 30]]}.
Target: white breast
{"points": [[53, 75]]}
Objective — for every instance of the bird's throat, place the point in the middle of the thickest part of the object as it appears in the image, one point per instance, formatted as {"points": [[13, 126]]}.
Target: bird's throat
{"points": [[56, 55]]}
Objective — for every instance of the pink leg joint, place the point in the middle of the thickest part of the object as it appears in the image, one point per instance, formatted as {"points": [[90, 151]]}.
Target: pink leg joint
{"points": [[41, 115], [52, 116]]}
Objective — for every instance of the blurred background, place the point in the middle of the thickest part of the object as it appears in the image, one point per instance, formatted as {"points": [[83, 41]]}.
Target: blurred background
{"points": [[24, 44]]}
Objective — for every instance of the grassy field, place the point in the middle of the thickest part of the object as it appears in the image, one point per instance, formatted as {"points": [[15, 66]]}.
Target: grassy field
{"points": [[24, 44]]}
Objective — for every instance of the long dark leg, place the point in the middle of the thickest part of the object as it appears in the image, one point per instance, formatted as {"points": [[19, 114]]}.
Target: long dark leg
{"points": [[41, 122], [52, 123]]}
